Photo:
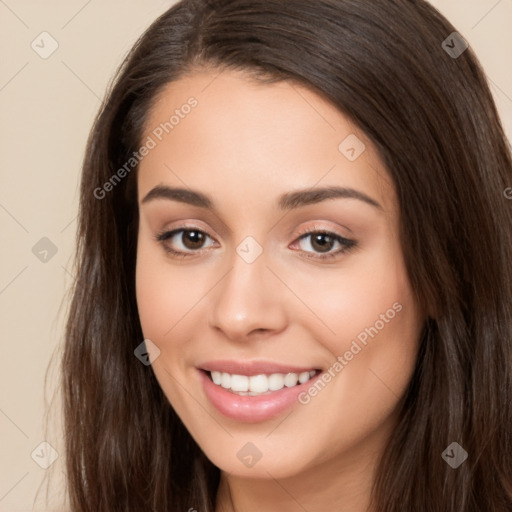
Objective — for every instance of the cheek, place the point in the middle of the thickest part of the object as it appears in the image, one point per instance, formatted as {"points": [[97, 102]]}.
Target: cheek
{"points": [[162, 312], [152, 301], [165, 293], [375, 326], [351, 298]]}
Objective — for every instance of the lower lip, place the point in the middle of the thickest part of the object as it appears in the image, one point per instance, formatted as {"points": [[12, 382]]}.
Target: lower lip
{"points": [[251, 409]]}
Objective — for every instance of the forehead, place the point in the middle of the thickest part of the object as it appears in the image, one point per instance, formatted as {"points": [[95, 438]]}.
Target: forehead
{"points": [[255, 139]]}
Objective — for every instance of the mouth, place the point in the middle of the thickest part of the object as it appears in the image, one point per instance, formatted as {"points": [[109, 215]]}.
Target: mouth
{"points": [[260, 384], [253, 392]]}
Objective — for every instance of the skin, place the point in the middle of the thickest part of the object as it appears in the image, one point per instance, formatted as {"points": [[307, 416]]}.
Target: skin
{"points": [[245, 144]]}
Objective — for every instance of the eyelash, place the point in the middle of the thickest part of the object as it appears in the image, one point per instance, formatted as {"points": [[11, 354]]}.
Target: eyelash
{"points": [[347, 244]]}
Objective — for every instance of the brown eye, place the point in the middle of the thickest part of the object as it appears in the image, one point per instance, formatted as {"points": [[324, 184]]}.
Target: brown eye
{"points": [[322, 242], [196, 239], [182, 242]]}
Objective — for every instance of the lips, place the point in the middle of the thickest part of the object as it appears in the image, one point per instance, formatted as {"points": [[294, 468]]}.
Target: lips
{"points": [[279, 387]]}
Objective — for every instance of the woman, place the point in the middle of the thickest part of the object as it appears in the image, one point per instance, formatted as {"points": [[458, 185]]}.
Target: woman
{"points": [[220, 355]]}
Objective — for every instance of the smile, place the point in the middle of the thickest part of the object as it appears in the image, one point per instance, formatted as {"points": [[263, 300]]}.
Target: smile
{"points": [[252, 391], [255, 385]]}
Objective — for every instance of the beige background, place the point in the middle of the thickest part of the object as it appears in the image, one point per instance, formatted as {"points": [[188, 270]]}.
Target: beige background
{"points": [[46, 110]]}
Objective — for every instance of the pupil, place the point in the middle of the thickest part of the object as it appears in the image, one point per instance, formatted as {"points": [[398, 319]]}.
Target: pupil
{"points": [[196, 237], [325, 247]]}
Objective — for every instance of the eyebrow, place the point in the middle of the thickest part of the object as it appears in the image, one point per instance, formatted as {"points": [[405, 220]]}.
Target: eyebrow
{"points": [[288, 201]]}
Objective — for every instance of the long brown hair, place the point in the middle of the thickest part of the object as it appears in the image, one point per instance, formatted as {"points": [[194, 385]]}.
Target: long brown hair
{"points": [[433, 120]]}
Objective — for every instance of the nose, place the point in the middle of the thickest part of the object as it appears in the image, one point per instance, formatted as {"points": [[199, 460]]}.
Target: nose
{"points": [[249, 301]]}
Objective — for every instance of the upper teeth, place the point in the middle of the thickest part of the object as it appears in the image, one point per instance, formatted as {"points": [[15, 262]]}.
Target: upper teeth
{"points": [[258, 384]]}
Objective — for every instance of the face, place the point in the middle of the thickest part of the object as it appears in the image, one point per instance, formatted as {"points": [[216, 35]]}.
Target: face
{"points": [[270, 276]]}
